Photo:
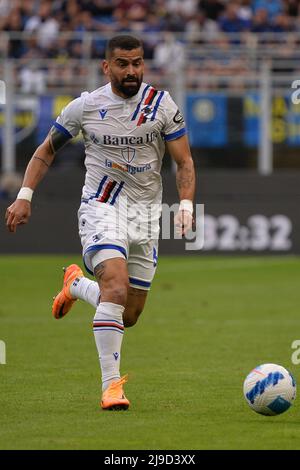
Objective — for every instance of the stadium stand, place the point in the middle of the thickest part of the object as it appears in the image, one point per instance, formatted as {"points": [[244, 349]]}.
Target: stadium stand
{"points": [[47, 20], [212, 55], [218, 36], [199, 47]]}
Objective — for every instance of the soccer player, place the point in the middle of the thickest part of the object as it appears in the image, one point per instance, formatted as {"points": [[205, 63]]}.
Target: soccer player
{"points": [[125, 126]]}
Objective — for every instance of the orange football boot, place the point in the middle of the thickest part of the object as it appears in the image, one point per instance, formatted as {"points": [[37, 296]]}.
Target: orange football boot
{"points": [[64, 301], [113, 397]]}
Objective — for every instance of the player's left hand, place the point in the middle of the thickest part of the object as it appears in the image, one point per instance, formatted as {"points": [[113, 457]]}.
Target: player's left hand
{"points": [[183, 221]]}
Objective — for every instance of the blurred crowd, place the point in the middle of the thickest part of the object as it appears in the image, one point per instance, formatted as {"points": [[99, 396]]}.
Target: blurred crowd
{"points": [[47, 19], [201, 45], [38, 29]]}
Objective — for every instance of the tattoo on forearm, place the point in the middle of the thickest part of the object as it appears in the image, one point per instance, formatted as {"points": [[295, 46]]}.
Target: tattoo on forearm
{"points": [[57, 139], [99, 270], [185, 177], [38, 158]]}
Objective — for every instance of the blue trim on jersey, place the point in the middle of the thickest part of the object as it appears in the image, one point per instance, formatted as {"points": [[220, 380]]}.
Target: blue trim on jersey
{"points": [[175, 135], [100, 187], [157, 105], [155, 257], [88, 270], [62, 129], [117, 193], [138, 282], [139, 105], [106, 246]]}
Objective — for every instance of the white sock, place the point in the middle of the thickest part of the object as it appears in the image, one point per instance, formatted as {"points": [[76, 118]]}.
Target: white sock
{"points": [[85, 289], [108, 331]]}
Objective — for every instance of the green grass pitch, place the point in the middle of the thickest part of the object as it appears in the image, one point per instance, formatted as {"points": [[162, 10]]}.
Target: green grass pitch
{"points": [[207, 323]]}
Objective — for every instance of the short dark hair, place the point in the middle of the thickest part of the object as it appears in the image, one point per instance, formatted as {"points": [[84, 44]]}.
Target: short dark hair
{"points": [[122, 42]]}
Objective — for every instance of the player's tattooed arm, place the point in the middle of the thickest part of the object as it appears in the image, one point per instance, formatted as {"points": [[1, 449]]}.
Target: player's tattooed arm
{"points": [[185, 178], [57, 139], [19, 212], [45, 153], [185, 175], [43, 157]]}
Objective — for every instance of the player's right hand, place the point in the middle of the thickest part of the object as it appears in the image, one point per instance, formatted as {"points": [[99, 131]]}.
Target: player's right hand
{"points": [[17, 214]]}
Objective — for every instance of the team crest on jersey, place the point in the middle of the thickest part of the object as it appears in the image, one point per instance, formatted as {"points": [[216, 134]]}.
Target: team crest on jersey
{"points": [[147, 110], [102, 113], [128, 153]]}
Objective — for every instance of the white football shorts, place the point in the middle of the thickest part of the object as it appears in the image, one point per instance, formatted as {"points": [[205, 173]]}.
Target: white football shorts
{"points": [[107, 233]]}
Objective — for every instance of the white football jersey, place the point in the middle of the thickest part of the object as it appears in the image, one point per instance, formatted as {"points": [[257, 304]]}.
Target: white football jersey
{"points": [[124, 141]]}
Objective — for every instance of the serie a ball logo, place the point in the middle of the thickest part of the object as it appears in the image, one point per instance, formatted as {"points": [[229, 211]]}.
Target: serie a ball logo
{"points": [[270, 389]]}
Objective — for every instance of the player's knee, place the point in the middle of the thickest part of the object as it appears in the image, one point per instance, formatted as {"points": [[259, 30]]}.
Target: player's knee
{"points": [[115, 293]]}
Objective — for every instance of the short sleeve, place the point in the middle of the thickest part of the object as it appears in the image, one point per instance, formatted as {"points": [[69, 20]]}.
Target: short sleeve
{"points": [[70, 119], [174, 122]]}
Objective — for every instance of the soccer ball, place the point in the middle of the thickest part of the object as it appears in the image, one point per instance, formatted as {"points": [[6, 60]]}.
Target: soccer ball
{"points": [[270, 389]]}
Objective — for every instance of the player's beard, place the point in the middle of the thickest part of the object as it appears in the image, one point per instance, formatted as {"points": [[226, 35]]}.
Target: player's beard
{"points": [[129, 86]]}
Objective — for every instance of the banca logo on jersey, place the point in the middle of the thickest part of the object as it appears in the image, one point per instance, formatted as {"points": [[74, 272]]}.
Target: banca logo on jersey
{"points": [[128, 153], [119, 140]]}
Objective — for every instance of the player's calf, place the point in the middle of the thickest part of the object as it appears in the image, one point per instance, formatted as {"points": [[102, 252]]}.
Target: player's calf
{"points": [[135, 305], [108, 325], [131, 315]]}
